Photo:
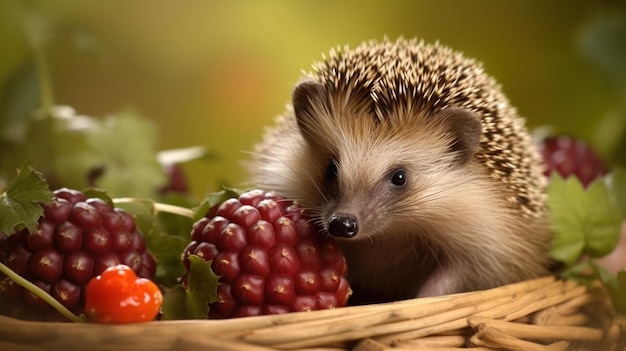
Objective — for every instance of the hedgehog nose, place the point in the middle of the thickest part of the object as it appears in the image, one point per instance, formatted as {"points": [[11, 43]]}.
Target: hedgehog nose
{"points": [[345, 226]]}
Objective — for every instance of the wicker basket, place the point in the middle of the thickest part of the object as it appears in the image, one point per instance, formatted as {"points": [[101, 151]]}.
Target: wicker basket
{"points": [[542, 314]]}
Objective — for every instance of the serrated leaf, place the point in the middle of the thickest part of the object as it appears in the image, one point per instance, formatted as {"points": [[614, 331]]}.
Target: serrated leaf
{"points": [[604, 221], [127, 146], [202, 288], [583, 221], [69, 149], [19, 203], [192, 302], [167, 249], [564, 202]]}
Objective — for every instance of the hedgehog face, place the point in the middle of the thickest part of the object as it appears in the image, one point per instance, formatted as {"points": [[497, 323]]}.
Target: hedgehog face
{"points": [[349, 181], [372, 168]]}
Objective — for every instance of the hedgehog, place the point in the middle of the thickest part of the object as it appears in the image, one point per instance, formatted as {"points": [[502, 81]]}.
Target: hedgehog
{"points": [[412, 157]]}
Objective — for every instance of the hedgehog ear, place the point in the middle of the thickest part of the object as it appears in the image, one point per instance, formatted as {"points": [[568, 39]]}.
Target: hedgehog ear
{"points": [[466, 129], [310, 99]]}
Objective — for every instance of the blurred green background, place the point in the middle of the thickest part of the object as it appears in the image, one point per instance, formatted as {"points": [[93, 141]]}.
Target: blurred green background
{"points": [[214, 73]]}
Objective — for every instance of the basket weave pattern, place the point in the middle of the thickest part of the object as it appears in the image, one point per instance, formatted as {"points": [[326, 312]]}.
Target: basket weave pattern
{"points": [[541, 314]]}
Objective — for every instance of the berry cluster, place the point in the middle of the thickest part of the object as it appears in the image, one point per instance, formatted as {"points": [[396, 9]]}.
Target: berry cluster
{"points": [[269, 257], [76, 239], [570, 156]]}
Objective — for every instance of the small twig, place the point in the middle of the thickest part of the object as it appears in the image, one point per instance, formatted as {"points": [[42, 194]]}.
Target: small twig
{"points": [[490, 336], [615, 338], [573, 305], [432, 342], [210, 342], [158, 207], [541, 332], [371, 345], [181, 211]]}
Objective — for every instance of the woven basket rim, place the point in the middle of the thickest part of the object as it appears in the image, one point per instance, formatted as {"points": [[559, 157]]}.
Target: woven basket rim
{"points": [[544, 309]]}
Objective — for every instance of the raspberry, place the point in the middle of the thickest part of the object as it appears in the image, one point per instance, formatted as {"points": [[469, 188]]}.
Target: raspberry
{"points": [[76, 239], [269, 257], [569, 156]]}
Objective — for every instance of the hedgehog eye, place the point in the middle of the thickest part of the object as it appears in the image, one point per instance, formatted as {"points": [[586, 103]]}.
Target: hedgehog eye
{"points": [[398, 178], [331, 170]]}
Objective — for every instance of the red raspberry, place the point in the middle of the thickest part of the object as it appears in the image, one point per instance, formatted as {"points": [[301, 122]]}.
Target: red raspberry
{"points": [[569, 156], [269, 257], [76, 239]]}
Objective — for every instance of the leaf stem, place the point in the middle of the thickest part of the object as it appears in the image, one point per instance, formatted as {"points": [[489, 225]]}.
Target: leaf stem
{"points": [[45, 81], [37, 291], [39, 29], [159, 207], [182, 211]]}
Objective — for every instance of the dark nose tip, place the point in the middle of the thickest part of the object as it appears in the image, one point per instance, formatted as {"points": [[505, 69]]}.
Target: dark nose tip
{"points": [[345, 226]]}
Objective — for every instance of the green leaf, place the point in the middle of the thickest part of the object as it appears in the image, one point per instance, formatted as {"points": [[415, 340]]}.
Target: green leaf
{"points": [[587, 271], [117, 153], [604, 220], [564, 202], [213, 199], [203, 285], [99, 194], [168, 247], [55, 143], [617, 290], [583, 221], [193, 302], [601, 273], [19, 97], [144, 213], [587, 224], [19, 203], [616, 182], [166, 236], [175, 306], [127, 145], [583, 272]]}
